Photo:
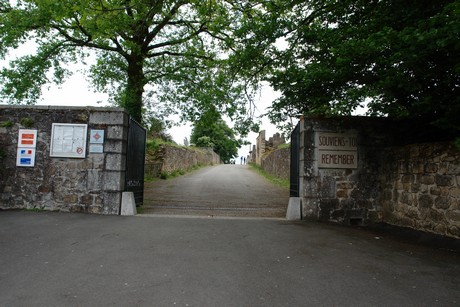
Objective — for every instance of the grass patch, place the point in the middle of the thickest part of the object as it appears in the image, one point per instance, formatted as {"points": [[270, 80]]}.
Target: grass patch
{"points": [[180, 172], [285, 145], [283, 183], [6, 124], [148, 178]]}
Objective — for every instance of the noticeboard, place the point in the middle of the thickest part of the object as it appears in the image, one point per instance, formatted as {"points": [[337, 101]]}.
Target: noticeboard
{"points": [[337, 150], [68, 140]]}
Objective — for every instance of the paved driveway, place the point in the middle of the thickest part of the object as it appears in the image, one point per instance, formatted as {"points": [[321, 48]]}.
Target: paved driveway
{"points": [[57, 259], [221, 190]]}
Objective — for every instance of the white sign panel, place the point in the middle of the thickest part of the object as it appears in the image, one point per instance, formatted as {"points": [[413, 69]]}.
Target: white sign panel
{"points": [[96, 136], [68, 140], [337, 150], [25, 157], [27, 141], [27, 138]]}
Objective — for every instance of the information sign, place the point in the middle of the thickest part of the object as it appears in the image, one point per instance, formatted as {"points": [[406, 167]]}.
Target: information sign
{"points": [[337, 150], [27, 138], [25, 157], [27, 141], [96, 141], [68, 140]]}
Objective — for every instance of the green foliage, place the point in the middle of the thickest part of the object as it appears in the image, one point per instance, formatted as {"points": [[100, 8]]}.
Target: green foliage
{"points": [[157, 129], [400, 58], [6, 124], [27, 122], [175, 47], [2, 154], [177, 173], [212, 131], [457, 143], [285, 145], [284, 183]]}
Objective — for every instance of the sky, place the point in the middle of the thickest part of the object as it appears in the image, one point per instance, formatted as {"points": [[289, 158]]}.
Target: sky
{"points": [[76, 91]]}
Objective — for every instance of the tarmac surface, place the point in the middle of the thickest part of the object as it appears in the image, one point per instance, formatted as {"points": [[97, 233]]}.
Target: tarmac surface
{"points": [[60, 259], [220, 190]]}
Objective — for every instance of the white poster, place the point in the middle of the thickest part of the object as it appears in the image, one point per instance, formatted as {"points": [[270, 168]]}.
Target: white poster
{"points": [[68, 140], [27, 141]]}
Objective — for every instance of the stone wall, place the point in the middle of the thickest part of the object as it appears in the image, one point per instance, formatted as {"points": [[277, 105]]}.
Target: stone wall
{"points": [[91, 184], [344, 195], [401, 176], [168, 159], [277, 162], [422, 187]]}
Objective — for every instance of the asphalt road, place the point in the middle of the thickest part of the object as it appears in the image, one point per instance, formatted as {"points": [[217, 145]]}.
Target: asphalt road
{"points": [[58, 259], [221, 190]]}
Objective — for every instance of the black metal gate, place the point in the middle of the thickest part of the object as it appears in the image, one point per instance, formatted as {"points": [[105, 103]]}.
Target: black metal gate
{"points": [[294, 171], [135, 160]]}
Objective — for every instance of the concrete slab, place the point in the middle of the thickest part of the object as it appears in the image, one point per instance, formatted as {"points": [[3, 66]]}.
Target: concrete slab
{"points": [[128, 204], [293, 210]]}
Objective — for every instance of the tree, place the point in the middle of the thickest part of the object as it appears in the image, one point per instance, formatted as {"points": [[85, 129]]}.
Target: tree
{"points": [[400, 58], [140, 45], [157, 129], [212, 131]]}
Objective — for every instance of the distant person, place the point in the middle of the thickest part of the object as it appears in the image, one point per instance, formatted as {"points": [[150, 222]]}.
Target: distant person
{"points": [[244, 160], [241, 160]]}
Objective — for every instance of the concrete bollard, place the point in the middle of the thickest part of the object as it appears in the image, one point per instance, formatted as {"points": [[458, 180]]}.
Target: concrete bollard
{"points": [[128, 204], [293, 210]]}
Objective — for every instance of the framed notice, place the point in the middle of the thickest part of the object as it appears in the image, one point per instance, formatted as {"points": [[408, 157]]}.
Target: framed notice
{"points": [[68, 140], [337, 150]]}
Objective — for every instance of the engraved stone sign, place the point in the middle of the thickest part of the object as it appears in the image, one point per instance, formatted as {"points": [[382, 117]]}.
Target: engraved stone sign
{"points": [[336, 150]]}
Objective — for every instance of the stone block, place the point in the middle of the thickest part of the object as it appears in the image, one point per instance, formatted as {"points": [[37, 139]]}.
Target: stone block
{"points": [[453, 216], [117, 133], [431, 168], [442, 202], [344, 185], [453, 231], [425, 201], [455, 192], [440, 229], [108, 118], [426, 179], [444, 180], [408, 179], [95, 178], [95, 209], [87, 200], [435, 191], [115, 146], [112, 202], [113, 181], [115, 162], [70, 199], [342, 193], [98, 161]]}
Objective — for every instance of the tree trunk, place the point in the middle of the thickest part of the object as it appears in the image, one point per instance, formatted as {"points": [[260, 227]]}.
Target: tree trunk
{"points": [[134, 89]]}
